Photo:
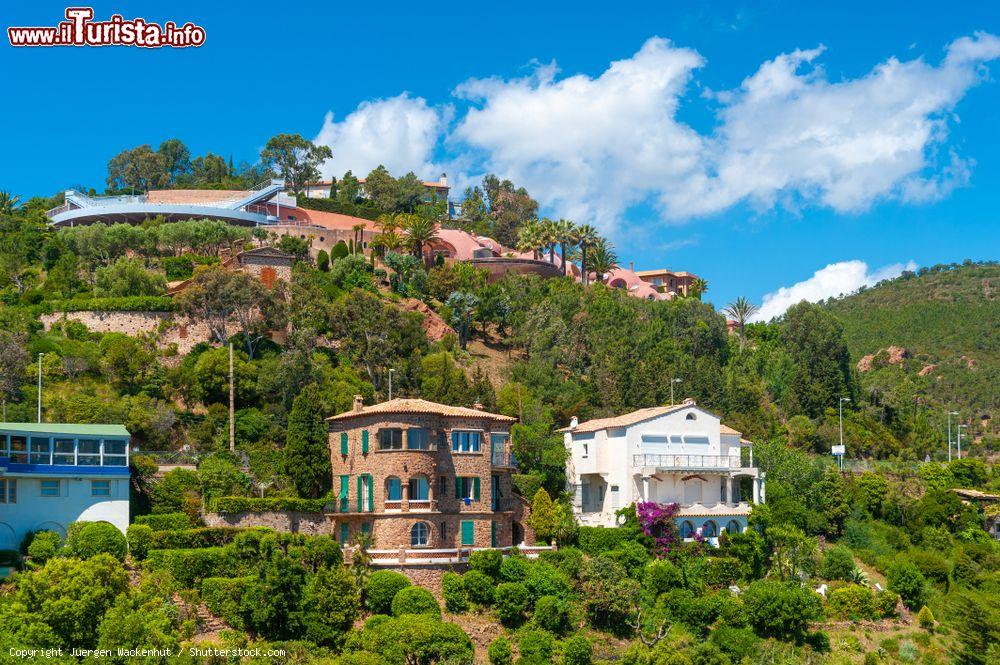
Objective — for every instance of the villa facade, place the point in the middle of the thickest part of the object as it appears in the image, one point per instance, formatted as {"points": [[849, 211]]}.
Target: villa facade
{"points": [[52, 474], [672, 454], [417, 474]]}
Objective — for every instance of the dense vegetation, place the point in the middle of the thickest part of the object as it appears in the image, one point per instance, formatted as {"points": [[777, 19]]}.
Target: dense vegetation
{"points": [[540, 350]]}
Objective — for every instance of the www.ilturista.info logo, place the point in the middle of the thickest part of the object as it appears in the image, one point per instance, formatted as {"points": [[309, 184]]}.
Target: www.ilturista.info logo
{"points": [[79, 29]]}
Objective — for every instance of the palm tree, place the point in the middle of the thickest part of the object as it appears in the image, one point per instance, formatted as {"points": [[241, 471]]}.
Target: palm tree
{"points": [[358, 230], [698, 287], [387, 241], [528, 238], [602, 258], [387, 222], [741, 310], [565, 232], [547, 237], [586, 236], [419, 232], [8, 202]]}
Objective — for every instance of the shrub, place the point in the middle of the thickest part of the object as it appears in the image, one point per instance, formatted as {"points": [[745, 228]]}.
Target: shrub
{"points": [[721, 571], [545, 580], [781, 609], [330, 605], [510, 600], [189, 566], [500, 652], [514, 569], [165, 521], [933, 566], [852, 602], [415, 600], [223, 596], [552, 614], [382, 587], [479, 587], [140, 539], [738, 643], [577, 651], [487, 562], [43, 546], [596, 540], [453, 590], [535, 647], [567, 559], [250, 504], [906, 579], [838, 564], [926, 618], [819, 641], [609, 594], [87, 539], [885, 604], [662, 576], [193, 538]]}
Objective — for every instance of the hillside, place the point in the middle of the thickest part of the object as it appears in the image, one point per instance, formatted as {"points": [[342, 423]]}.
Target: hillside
{"points": [[945, 317]]}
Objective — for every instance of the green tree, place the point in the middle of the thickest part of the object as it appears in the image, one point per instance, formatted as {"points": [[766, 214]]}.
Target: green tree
{"points": [[270, 603], [906, 579], [463, 309], [307, 447], [175, 159], [741, 310], [542, 517], [136, 170], [295, 159], [815, 340], [442, 380], [782, 610], [330, 605], [128, 277]]}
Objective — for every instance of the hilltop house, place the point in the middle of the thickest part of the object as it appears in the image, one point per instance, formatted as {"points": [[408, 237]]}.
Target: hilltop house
{"points": [[52, 474], [417, 474], [668, 454]]}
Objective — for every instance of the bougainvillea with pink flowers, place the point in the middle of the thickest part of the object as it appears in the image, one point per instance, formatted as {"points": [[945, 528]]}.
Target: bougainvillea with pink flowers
{"points": [[657, 522]]}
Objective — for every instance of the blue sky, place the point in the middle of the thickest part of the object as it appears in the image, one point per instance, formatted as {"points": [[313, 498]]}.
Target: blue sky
{"points": [[755, 144]]}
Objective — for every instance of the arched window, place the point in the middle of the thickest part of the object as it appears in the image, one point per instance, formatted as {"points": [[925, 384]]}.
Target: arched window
{"points": [[393, 489], [691, 416], [418, 489], [618, 283], [420, 534], [687, 529], [709, 529], [733, 527]]}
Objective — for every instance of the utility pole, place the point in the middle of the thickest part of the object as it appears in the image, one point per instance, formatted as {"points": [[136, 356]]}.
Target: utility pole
{"points": [[40, 386], [950, 414], [672, 382], [960, 428], [232, 404], [840, 408], [391, 370]]}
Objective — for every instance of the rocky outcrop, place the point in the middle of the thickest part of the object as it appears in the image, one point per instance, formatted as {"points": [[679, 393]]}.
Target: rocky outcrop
{"points": [[435, 327], [927, 369], [895, 355]]}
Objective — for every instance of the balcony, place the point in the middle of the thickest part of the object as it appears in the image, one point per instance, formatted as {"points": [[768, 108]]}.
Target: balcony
{"points": [[503, 460], [688, 462], [503, 504]]}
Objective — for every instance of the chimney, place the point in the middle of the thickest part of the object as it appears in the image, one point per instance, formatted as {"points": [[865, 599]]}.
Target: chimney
{"points": [[359, 403], [631, 266], [477, 405], [573, 422], [689, 401], [443, 179]]}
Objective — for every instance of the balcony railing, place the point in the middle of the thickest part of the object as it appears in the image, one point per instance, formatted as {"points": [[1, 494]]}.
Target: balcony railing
{"points": [[503, 504], [687, 462], [503, 459]]}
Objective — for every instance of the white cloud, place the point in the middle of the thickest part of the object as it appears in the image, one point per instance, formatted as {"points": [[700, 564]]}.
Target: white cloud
{"points": [[590, 147], [399, 132], [833, 280]]}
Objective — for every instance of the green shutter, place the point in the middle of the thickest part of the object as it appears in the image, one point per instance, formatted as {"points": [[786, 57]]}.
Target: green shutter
{"points": [[361, 486], [345, 488], [345, 532], [371, 493], [475, 488], [468, 532], [458, 487], [493, 533], [343, 443], [366, 527], [364, 442]]}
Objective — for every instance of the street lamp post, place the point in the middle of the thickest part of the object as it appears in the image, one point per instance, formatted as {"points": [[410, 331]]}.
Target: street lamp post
{"points": [[950, 414], [840, 409], [390, 382], [672, 382], [960, 428], [40, 386]]}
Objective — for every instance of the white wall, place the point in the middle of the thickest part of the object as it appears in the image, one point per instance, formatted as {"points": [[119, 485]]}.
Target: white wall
{"points": [[33, 512]]}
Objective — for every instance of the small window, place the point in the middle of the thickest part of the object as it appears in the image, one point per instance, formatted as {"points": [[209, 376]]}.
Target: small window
{"points": [[390, 438], [8, 490], [50, 487], [418, 438], [465, 442], [444, 530], [442, 485], [418, 489], [585, 450], [691, 416], [114, 453], [420, 534], [100, 488], [733, 527]]}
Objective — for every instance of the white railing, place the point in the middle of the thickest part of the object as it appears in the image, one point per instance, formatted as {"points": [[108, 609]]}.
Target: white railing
{"points": [[662, 461], [58, 210], [450, 555]]}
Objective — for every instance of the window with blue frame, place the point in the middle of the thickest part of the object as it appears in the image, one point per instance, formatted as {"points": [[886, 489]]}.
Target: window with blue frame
{"points": [[463, 441], [40, 450], [50, 487], [100, 488], [418, 438], [419, 489], [393, 489]]}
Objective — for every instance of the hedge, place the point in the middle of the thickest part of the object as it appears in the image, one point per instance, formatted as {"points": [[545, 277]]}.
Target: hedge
{"points": [[119, 304], [140, 539], [596, 540], [165, 521], [194, 538], [340, 207], [247, 504], [222, 596], [189, 566]]}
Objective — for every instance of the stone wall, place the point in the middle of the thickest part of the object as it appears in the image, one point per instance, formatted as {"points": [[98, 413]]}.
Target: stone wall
{"points": [[163, 325], [289, 521]]}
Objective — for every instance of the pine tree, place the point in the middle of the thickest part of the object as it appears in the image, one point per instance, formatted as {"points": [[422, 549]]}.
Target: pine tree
{"points": [[307, 453], [542, 517]]}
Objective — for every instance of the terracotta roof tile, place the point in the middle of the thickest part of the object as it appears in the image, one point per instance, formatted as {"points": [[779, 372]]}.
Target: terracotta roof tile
{"points": [[726, 429], [624, 420], [421, 406]]}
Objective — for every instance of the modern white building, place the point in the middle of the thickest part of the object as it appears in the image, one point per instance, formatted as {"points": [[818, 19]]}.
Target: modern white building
{"points": [[668, 454], [52, 474]]}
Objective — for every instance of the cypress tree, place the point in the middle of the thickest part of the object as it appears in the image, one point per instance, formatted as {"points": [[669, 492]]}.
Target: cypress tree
{"points": [[307, 454]]}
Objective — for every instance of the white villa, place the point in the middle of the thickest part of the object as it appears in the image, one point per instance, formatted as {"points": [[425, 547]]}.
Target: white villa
{"points": [[667, 454]]}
